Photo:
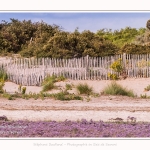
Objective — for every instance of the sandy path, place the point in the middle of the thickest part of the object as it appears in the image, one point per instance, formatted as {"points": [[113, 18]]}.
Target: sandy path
{"points": [[100, 108], [73, 115]]}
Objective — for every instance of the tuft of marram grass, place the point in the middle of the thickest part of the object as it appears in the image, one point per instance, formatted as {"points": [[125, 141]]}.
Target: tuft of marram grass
{"points": [[48, 83], [1, 87], [84, 89], [116, 89], [60, 78], [3, 75], [65, 96], [147, 88], [68, 87], [49, 79], [48, 86]]}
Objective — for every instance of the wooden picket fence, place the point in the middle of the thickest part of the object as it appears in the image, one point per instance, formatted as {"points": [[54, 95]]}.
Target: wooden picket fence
{"points": [[32, 71]]}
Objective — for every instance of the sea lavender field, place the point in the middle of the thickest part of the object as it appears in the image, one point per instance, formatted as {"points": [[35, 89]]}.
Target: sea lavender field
{"points": [[72, 129]]}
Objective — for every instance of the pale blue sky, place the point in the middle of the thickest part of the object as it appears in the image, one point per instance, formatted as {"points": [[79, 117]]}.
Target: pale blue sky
{"points": [[92, 21]]}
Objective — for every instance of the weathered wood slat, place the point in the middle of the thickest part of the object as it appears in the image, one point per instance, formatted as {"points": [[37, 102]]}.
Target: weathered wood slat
{"points": [[32, 71]]}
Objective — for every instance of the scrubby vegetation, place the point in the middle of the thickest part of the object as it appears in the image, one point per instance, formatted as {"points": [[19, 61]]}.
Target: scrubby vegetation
{"points": [[3, 74], [68, 87], [117, 68], [40, 39], [147, 88], [48, 83], [1, 87], [64, 96], [48, 86], [116, 89], [23, 90], [84, 89], [145, 96], [3, 78]]}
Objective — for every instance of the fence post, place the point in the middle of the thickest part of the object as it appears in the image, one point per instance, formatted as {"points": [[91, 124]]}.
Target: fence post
{"points": [[124, 61], [43, 70], [87, 67]]}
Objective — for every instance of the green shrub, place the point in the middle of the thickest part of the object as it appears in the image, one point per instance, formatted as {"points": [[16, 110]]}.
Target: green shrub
{"points": [[49, 79], [117, 67], [3, 74], [68, 87], [144, 96], [66, 96], [1, 87], [48, 86], [48, 83], [76, 97], [35, 96], [95, 94], [84, 89], [60, 78], [23, 90], [116, 89], [8, 96], [147, 88], [113, 76], [60, 96], [41, 95]]}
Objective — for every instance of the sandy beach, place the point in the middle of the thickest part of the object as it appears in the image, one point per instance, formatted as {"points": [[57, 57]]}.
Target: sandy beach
{"points": [[98, 108]]}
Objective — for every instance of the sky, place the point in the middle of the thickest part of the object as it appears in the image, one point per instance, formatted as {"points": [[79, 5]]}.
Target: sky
{"points": [[92, 21]]}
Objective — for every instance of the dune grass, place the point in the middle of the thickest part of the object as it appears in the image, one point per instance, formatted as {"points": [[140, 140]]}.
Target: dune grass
{"points": [[3, 75], [1, 87], [84, 89], [48, 86], [48, 83], [3, 78], [68, 87], [147, 88], [66, 96], [116, 89]]}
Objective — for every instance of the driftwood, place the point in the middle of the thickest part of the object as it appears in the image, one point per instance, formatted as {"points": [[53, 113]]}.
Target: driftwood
{"points": [[3, 118], [116, 120], [131, 119]]}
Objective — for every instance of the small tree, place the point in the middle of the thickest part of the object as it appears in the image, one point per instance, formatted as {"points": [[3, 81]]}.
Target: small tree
{"points": [[148, 24]]}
